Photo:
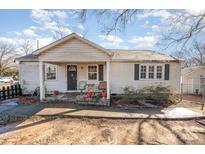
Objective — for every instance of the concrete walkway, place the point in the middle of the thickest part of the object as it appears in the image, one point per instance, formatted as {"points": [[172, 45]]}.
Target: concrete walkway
{"points": [[66, 110], [175, 113]]}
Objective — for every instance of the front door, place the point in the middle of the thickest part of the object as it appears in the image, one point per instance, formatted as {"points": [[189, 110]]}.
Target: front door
{"points": [[72, 77]]}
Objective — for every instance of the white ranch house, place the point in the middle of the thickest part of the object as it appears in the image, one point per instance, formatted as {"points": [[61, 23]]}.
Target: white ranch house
{"points": [[63, 64]]}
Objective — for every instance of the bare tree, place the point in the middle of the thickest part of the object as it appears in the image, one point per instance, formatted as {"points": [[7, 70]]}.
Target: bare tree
{"points": [[198, 53], [26, 46], [183, 28], [60, 31], [7, 54], [183, 54], [117, 20], [194, 55]]}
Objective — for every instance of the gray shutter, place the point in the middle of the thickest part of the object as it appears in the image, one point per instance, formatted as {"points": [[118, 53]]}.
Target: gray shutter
{"points": [[166, 72], [136, 72], [100, 72]]}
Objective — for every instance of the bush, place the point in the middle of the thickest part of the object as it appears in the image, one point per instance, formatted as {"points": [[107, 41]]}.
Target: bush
{"points": [[159, 95], [129, 94]]}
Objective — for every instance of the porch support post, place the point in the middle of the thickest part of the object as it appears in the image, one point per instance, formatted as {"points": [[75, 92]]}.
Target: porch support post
{"points": [[108, 79], [41, 79]]}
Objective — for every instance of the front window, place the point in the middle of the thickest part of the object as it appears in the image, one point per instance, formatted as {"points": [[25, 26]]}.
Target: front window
{"points": [[50, 72], [151, 72], [159, 72], [92, 72], [143, 71]]}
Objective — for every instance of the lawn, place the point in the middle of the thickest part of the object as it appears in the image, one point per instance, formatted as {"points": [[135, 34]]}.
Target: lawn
{"points": [[102, 131]]}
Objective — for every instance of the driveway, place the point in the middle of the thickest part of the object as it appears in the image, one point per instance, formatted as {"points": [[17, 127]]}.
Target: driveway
{"points": [[6, 105]]}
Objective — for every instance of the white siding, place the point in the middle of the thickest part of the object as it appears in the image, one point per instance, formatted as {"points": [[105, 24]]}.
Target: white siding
{"points": [[74, 50], [29, 76], [122, 74], [191, 81]]}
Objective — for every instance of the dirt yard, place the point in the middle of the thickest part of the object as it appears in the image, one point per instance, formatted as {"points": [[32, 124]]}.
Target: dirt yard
{"points": [[102, 131], [193, 98]]}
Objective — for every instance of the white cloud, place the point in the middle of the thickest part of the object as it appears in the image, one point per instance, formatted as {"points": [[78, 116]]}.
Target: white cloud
{"points": [[45, 41], [194, 11], [51, 20], [144, 42], [47, 15], [146, 22], [115, 40], [109, 45], [17, 41], [18, 33], [59, 14], [40, 15], [164, 14], [81, 27], [112, 41], [29, 33], [9, 40], [155, 28], [33, 27]]}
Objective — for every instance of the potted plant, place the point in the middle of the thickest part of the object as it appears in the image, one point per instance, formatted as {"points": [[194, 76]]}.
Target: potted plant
{"points": [[55, 92]]}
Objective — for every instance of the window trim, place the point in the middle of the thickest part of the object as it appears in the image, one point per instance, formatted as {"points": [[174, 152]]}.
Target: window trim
{"points": [[140, 72], [147, 71], [92, 72], [45, 72]]}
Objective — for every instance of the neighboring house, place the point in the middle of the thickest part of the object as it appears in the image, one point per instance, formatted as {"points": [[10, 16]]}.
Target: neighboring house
{"points": [[61, 65], [193, 79]]}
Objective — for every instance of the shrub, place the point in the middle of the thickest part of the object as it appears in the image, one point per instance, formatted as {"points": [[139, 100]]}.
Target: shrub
{"points": [[129, 94], [159, 95]]}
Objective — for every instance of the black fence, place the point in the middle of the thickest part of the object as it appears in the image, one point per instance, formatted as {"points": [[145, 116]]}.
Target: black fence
{"points": [[10, 92]]}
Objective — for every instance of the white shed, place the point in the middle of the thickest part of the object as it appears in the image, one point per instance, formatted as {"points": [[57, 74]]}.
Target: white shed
{"points": [[193, 79]]}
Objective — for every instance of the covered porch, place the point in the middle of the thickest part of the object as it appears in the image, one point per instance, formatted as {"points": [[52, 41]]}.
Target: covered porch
{"points": [[79, 82]]}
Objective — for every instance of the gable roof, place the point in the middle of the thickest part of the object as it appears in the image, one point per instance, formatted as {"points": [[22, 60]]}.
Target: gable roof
{"points": [[66, 38], [116, 54], [140, 55]]}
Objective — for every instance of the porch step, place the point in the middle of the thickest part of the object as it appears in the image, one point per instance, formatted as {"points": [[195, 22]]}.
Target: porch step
{"points": [[93, 103]]}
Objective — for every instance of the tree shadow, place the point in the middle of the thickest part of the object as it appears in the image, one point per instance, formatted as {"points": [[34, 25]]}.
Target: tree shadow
{"points": [[140, 138], [47, 119], [176, 134]]}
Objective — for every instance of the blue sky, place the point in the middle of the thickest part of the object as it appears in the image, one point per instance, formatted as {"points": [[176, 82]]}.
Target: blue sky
{"points": [[143, 33]]}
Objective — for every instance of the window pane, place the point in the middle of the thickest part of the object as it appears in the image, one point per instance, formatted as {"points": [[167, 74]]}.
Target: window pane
{"points": [[50, 72], [159, 72], [92, 72], [92, 76], [151, 72], [92, 68], [143, 70]]}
